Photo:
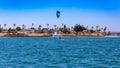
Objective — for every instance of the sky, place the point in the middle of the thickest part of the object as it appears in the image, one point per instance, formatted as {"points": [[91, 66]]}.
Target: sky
{"points": [[104, 13]]}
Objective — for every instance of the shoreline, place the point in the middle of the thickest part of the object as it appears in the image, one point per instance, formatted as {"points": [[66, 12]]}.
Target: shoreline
{"points": [[51, 34]]}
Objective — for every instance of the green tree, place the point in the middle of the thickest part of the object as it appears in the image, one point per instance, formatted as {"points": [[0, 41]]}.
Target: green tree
{"points": [[78, 28], [0, 30], [18, 28]]}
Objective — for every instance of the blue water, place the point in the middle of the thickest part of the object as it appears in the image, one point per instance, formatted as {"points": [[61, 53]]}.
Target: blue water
{"points": [[48, 52]]}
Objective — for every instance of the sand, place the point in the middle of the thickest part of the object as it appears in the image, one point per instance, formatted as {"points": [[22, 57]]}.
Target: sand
{"points": [[50, 35]]}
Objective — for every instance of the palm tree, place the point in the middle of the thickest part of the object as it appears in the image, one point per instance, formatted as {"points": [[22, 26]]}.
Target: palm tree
{"points": [[105, 29], [32, 24], [62, 24], [55, 26], [87, 27], [97, 28], [39, 27], [72, 27], [14, 25], [0, 25], [101, 29], [23, 26], [65, 26], [5, 25], [92, 28], [47, 25]]}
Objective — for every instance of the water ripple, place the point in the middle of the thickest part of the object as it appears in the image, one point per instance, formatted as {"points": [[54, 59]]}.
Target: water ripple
{"points": [[47, 52]]}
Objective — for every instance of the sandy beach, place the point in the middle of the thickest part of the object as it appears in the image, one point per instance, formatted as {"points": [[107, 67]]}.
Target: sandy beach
{"points": [[2, 34], [50, 35]]}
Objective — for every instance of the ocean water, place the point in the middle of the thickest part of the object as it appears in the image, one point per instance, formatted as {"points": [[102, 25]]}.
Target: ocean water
{"points": [[68, 52]]}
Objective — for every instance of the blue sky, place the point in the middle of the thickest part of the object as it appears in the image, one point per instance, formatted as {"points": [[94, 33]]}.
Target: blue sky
{"points": [[105, 13]]}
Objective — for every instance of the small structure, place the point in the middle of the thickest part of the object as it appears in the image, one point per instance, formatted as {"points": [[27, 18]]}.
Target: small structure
{"points": [[4, 31], [115, 33], [45, 30]]}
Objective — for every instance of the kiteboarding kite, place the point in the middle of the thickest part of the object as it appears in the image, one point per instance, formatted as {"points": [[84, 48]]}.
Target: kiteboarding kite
{"points": [[57, 14]]}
